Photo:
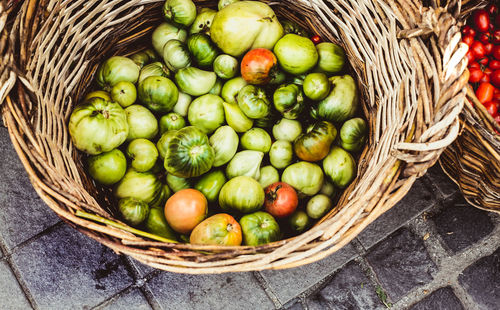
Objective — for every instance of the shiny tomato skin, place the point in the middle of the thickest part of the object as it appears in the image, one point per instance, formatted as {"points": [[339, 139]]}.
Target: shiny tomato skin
{"points": [[484, 92], [477, 49], [474, 64], [467, 30], [485, 79], [316, 39], [219, 229], [258, 66], [492, 9], [468, 39], [483, 61], [481, 20], [488, 48], [495, 78], [186, 209], [496, 52], [496, 36], [470, 56], [475, 75], [485, 38], [491, 107], [281, 199]]}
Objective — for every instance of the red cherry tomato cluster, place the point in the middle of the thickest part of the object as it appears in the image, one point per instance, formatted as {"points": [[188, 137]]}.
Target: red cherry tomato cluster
{"points": [[482, 35]]}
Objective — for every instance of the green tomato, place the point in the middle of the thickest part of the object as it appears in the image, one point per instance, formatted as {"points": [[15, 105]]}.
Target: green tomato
{"points": [[203, 21], [176, 55], [153, 69], [117, 69], [224, 141], [293, 27], [316, 86], [235, 118], [327, 189], [259, 228], [242, 194], [143, 154], [331, 57], [189, 153], [256, 139], [203, 49], [217, 89], [164, 141], [287, 129], [245, 163], [159, 94], [166, 32], [231, 89], [245, 25], [124, 93], [161, 199], [144, 57], [156, 223], [133, 211], [340, 166], [353, 134], [278, 78], [342, 102], [296, 54], [180, 11], [281, 154], [98, 126], [210, 185], [289, 100], [315, 144], [194, 81], [140, 185], [182, 105], [171, 121], [223, 3], [107, 168], [177, 183], [226, 66], [99, 94], [268, 176], [318, 206], [299, 221], [269, 120], [206, 113], [306, 178], [253, 101], [142, 123]]}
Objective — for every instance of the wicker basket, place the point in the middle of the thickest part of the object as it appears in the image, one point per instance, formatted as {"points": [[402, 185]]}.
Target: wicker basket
{"points": [[473, 160], [407, 58]]}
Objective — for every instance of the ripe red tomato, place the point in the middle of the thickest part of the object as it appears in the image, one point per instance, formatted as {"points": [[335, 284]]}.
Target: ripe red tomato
{"points": [[474, 64], [496, 52], [492, 9], [481, 20], [484, 92], [281, 199], [494, 64], [470, 56], [258, 66], [491, 107], [497, 118], [495, 78], [468, 31], [316, 39], [488, 48], [483, 61], [485, 79], [475, 75], [485, 37], [468, 39], [477, 49]]}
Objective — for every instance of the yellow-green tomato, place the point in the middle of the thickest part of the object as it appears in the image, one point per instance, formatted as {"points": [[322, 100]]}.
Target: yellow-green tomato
{"points": [[231, 89], [253, 101], [142, 123], [316, 86], [243, 194], [166, 32], [124, 93], [340, 166], [256, 139], [181, 12], [158, 225], [219, 229], [117, 69], [171, 121], [203, 21], [108, 168], [296, 54], [206, 113], [259, 228], [287, 129], [225, 66], [328, 189], [224, 141], [194, 81], [99, 94], [306, 178], [281, 154], [143, 154], [141, 185], [268, 176], [176, 55], [158, 93], [210, 184], [299, 221], [318, 206], [353, 134], [342, 102], [235, 118], [331, 57], [164, 141], [133, 211], [177, 183]]}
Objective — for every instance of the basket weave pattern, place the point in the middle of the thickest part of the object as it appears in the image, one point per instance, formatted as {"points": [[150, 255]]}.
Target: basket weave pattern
{"points": [[411, 73]]}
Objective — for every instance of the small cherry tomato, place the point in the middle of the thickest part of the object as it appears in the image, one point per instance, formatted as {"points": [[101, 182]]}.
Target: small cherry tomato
{"points": [[485, 37], [477, 49], [484, 92], [316, 39], [483, 61], [495, 78], [497, 118], [496, 52], [468, 39], [485, 79], [487, 71], [281, 199], [491, 107], [488, 48], [470, 56], [474, 64], [468, 31], [475, 75], [494, 64], [496, 37], [481, 20], [492, 9]]}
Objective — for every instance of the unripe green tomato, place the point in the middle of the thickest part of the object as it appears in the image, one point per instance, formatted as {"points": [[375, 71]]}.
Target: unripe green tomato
{"points": [[124, 93], [225, 66], [299, 221], [142, 123], [133, 210], [316, 86], [256, 139], [99, 94], [281, 154], [171, 121], [143, 154], [108, 168], [318, 206]]}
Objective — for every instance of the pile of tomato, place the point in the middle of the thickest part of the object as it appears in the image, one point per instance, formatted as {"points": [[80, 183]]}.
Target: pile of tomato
{"points": [[482, 34]]}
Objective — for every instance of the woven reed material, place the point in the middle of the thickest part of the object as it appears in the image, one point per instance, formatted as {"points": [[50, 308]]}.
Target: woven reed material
{"points": [[473, 160], [409, 64]]}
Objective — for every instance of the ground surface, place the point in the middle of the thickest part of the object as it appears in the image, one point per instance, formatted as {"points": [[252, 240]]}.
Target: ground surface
{"points": [[431, 251]]}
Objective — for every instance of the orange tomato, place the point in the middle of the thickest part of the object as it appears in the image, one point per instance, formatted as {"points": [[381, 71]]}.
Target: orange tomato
{"points": [[186, 209], [259, 66], [221, 229]]}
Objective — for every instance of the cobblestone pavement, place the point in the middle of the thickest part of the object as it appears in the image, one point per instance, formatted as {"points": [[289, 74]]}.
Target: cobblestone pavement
{"points": [[431, 251]]}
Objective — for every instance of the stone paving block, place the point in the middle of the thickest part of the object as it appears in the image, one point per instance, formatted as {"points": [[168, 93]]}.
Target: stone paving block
{"points": [[22, 213], [419, 198], [296, 306], [482, 281], [289, 283], [401, 263], [132, 300], [65, 269], [440, 180], [142, 269], [220, 291], [348, 289], [460, 225], [442, 299], [11, 294]]}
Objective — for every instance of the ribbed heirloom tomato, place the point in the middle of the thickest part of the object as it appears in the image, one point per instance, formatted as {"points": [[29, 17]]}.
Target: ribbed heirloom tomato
{"points": [[186, 209], [258, 66], [281, 199]]}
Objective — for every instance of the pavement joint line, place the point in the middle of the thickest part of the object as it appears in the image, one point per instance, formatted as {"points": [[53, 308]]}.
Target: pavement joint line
{"points": [[22, 284], [372, 276], [47, 230], [113, 298], [268, 290], [148, 293], [449, 266]]}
